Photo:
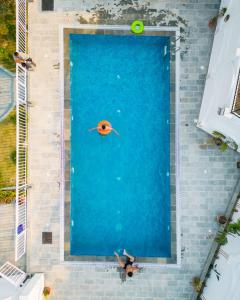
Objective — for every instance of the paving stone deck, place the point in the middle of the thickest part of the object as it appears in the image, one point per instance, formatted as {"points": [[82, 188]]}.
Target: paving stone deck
{"points": [[7, 98], [207, 179], [7, 236], [7, 222]]}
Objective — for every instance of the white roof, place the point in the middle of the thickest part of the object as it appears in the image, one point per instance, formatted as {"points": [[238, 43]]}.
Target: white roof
{"points": [[222, 75]]}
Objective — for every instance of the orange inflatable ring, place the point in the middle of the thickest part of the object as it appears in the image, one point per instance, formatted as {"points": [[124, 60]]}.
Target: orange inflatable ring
{"points": [[104, 127]]}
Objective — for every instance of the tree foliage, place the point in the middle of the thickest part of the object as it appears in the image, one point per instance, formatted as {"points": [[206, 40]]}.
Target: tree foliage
{"points": [[7, 33]]}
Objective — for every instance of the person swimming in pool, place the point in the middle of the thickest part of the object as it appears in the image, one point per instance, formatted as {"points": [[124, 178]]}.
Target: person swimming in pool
{"points": [[128, 265], [104, 128]]}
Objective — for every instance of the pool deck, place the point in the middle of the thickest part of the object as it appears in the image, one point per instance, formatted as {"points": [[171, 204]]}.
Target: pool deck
{"points": [[7, 233], [207, 177]]}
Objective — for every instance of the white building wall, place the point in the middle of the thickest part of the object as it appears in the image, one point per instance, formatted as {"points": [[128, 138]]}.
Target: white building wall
{"points": [[34, 288], [222, 76]]}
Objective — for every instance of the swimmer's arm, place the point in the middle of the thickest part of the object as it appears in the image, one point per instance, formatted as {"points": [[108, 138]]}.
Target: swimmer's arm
{"points": [[91, 129], [115, 131], [135, 269]]}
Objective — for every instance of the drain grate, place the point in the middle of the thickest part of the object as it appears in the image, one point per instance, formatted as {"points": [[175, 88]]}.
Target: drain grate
{"points": [[46, 237], [47, 5]]}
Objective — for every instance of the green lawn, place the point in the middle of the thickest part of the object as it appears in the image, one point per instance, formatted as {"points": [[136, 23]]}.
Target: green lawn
{"points": [[8, 156]]}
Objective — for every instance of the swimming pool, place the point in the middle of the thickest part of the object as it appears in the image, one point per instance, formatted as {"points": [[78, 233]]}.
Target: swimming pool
{"points": [[120, 185]]}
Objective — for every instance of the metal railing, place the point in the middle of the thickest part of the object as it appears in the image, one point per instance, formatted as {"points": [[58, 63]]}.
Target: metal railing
{"points": [[236, 101], [12, 274], [21, 132]]}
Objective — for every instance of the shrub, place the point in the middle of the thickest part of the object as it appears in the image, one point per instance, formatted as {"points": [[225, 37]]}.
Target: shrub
{"points": [[46, 291], [13, 156], [212, 22], [223, 142], [7, 197], [221, 238], [12, 117], [197, 284], [234, 227], [7, 33]]}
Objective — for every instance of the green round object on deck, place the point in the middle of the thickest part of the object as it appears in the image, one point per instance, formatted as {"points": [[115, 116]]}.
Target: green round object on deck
{"points": [[137, 26]]}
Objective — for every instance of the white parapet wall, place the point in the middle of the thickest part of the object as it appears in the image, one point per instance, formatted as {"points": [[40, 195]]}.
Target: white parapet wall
{"points": [[33, 290], [222, 76]]}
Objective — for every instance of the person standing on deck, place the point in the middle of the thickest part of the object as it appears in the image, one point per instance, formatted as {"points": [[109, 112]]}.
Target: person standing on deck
{"points": [[25, 61]]}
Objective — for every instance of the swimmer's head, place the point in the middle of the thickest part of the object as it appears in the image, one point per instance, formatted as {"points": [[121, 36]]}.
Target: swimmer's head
{"points": [[103, 126], [130, 274]]}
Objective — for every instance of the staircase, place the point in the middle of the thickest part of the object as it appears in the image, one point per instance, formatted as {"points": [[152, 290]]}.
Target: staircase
{"points": [[12, 274]]}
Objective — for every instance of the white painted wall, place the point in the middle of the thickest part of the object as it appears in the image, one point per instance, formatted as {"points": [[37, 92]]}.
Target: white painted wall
{"points": [[8, 291], [222, 75], [34, 288], [31, 290]]}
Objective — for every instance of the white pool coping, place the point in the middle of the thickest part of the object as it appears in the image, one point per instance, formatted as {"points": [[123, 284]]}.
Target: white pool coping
{"points": [[175, 30]]}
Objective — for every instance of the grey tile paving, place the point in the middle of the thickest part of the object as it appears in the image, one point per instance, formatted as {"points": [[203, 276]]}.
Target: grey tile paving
{"points": [[7, 95], [7, 213], [7, 236], [207, 176]]}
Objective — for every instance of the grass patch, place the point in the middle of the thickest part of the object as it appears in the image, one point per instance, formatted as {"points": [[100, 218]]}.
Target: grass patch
{"points": [[7, 34], [7, 151]]}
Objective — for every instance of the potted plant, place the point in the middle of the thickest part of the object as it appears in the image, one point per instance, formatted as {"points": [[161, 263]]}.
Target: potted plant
{"points": [[221, 238], [221, 219], [46, 292], [222, 141], [213, 21], [234, 228], [197, 284], [222, 12]]}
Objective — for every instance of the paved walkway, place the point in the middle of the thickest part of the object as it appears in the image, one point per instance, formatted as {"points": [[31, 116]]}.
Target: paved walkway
{"points": [[7, 99], [207, 176], [7, 236], [7, 223]]}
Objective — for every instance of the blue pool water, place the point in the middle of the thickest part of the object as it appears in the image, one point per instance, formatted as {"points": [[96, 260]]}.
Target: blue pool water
{"points": [[120, 185]]}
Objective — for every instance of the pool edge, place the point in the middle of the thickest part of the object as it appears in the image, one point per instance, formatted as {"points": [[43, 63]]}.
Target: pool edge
{"points": [[176, 31]]}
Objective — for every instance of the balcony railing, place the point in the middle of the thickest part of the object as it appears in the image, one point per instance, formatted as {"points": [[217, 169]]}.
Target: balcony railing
{"points": [[21, 132]]}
